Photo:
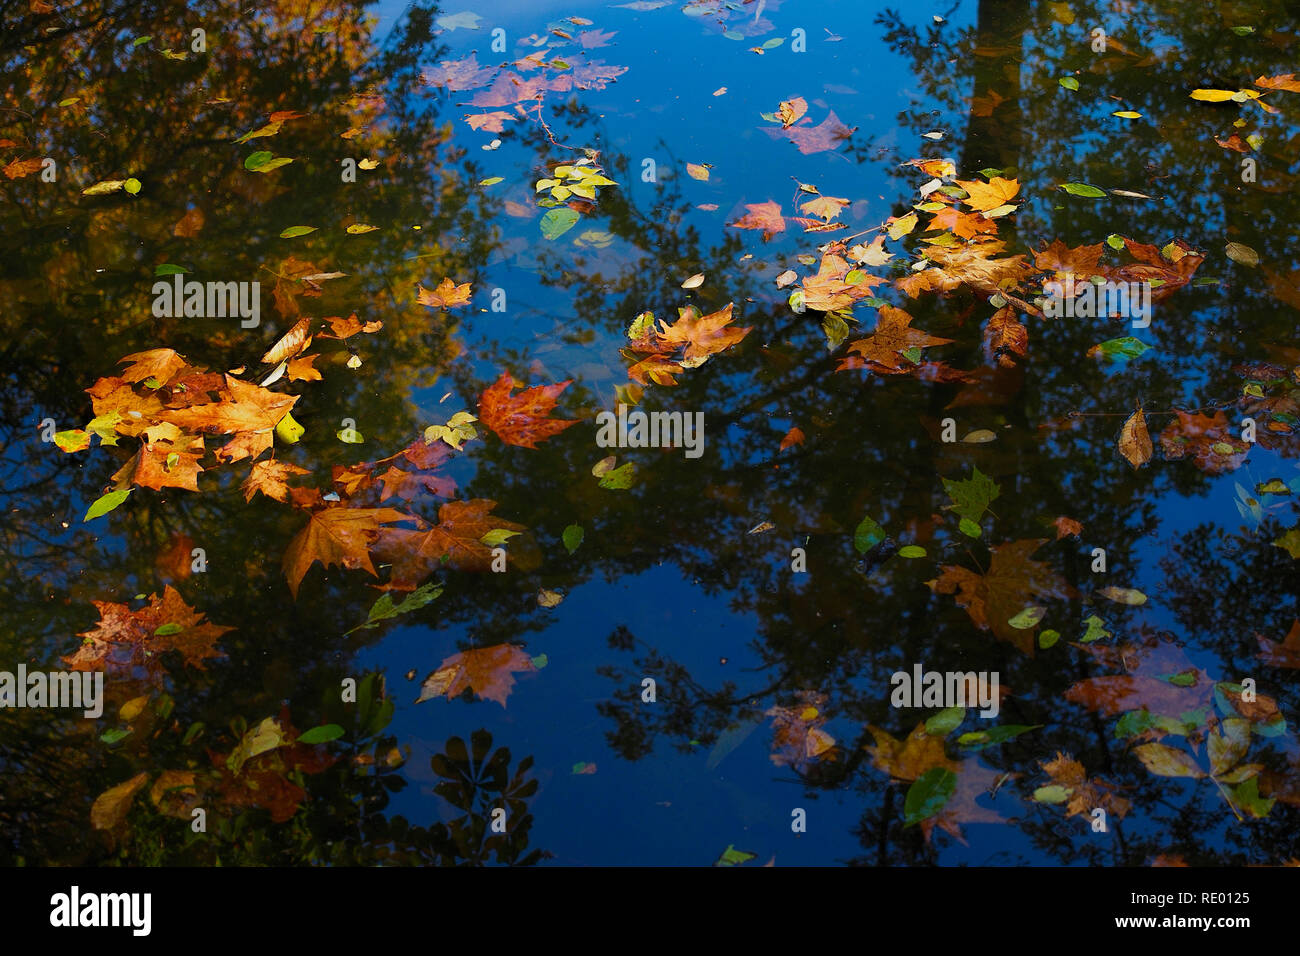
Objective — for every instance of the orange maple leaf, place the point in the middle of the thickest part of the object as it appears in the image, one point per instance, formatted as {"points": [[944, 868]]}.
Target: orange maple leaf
{"points": [[829, 289], [457, 537], [488, 671], [161, 464], [270, 477], [1013, 582], [338, 535], [125, 640], [447, 295], [303, 369], [521, 419], [243, 408], [764, 215], [883, 349], [985, 196], [1081, 261], [160, 364], [703, 336]]}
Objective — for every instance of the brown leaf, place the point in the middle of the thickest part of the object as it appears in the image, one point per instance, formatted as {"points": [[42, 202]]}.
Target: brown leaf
{"points": [[1004, 336], [1214, 446], [110, 808], [1067, 526], [790, 111], [270, 476], [293, 342], [337, 535], [125, 639], [702, 336], [19, 168], [893, 335], [190, 224], [764, 215], [908, 759], [1014, 581], [456, 538], [1134, 440], [1285, 654], [488, 671], [797, 737], [522, 419]]}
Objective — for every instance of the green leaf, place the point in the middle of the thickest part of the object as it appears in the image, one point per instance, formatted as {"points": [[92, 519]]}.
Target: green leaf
{"points": [[733, 857], [1028, 618], [557, 222], [167, 269], [1243, 31], [980, 739], [572, 537], [540, 661], [497, 536], [620, 478], [928, 795], [113, 736], [1115, 242], [132, 186], [773, 43], [106, 503], [384, 609], [321, 735], [969, 528], [1084, 190], [1096, 630], [1069, 82], [1048, 637], [1125, 347], [972, 496], [263, 161], [1246, 797], [867, 535], [1052, 794], [945, 722], [140, 41], [72, 440], [911, 551], [196, 728], [294, 231], [167, 630], [491, 180]]}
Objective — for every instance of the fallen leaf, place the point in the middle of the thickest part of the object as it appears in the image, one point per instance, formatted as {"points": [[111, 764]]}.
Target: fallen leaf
{"points": [[488, 671]]}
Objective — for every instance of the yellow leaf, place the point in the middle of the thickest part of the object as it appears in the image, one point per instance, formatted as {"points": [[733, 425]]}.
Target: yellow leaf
{"points": [[902, 226], [288, 430]]}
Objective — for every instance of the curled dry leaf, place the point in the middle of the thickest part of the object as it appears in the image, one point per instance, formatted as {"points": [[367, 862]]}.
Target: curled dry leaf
{"points": [[1134, 440]]}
